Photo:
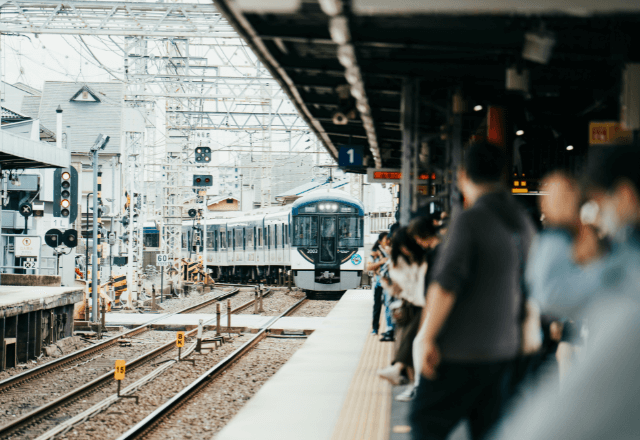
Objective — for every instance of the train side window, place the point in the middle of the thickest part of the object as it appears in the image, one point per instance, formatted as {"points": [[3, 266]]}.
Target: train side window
{"points": [[266, 237], [244, 238], [260, 237], [223, 239], [254, 237], [275, 236], [230, 239], [305, 230]]}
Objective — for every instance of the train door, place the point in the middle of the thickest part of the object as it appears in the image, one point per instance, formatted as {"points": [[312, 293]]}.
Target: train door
{"points": [[328, 240], [280, 228], [260, 249], [230, 259], [287, 245], [222, 254]]}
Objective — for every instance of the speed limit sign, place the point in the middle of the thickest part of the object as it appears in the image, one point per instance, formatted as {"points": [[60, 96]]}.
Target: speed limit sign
{"points": [[162, 260]]}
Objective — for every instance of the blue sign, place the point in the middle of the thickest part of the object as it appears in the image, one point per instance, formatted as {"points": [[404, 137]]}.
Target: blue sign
{"points": [[356, 259], [350, 156]]}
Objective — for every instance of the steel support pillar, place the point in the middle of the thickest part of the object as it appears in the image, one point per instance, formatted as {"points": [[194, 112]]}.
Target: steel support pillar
{"points": [[409, 121]]}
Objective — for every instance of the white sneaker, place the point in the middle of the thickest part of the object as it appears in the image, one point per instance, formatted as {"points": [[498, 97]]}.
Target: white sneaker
{"points": [[392, 374], [407, 395]]}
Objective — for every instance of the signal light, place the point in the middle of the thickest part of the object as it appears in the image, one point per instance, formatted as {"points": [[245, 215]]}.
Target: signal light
{"points": [[203, 154], [202, 180], [65, 193]]}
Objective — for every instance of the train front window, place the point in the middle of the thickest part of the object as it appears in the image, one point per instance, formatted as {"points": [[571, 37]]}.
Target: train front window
{"points": [[350, 232], [305, 231]]}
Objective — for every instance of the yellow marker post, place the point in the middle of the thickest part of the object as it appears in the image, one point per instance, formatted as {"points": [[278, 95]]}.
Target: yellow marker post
{"points": [[180, 340], [120, 369], [118, 375]]}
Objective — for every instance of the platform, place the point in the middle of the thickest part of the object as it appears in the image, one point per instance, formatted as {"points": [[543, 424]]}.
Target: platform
{"points": [[190, 320], [328, 390], [15, 300], [33, 317]]}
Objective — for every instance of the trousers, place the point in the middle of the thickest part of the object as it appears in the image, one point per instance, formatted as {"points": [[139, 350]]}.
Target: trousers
{"points": [[377, 306], [477, 392]]}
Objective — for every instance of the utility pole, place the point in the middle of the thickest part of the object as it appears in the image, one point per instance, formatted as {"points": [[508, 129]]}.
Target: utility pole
{"points": [[99, 144]]}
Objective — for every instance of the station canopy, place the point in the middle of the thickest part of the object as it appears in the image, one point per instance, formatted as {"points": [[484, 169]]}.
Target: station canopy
{"points": [[343, 63]]}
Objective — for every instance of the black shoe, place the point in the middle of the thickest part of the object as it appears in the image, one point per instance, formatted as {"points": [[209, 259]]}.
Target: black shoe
{"points": [[386, 337]]}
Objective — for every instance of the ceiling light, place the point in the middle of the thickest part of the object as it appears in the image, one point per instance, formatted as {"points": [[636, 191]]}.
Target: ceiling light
{"points": [[519, 132], [569, 147], [477, 108]]}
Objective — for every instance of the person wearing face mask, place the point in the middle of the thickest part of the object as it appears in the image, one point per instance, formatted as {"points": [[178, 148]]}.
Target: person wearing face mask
{"points": [[570, 269]]}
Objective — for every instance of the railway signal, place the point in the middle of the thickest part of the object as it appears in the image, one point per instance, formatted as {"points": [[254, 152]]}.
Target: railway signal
{"points": [[203, 155], [65, 193], [202, 180]]}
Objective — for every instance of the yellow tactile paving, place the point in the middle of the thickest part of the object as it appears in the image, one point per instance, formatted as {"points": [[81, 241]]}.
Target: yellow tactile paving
{"points": [[366, 410]]}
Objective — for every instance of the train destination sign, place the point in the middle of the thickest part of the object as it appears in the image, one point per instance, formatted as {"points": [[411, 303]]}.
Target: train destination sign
{"points": [[393, 175]]}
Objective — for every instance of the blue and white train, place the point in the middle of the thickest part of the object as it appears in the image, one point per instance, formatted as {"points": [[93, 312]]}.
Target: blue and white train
{"points": [[319, 237]]}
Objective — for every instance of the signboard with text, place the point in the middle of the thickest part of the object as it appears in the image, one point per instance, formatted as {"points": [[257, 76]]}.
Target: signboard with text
{"points": [[27, 246]]}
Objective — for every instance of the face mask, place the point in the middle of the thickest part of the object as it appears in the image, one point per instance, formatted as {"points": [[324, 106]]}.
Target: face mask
{"points": [[609, 222]]}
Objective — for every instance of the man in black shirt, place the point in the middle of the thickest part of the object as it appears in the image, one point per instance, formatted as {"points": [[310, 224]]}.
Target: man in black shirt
{"points": [[472, 315]]}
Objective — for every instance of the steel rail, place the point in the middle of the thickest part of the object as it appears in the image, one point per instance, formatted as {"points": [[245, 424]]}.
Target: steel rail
{"points": [[43, 411], [149, 423], [80, 354]]}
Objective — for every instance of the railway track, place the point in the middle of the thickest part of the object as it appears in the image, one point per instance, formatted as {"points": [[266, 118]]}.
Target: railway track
{"points": [[79, 355], [77, 358], [157, 417]]}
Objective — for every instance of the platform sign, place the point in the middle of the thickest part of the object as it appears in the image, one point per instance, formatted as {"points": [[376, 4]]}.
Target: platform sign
{"points": [[608, 133], [180, 339], [162, 260], [350, 156], [394, 175], [120, 369], [27, 246]]}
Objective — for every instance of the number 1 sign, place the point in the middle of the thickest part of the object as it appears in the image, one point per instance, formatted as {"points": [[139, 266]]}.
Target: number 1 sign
{"points": [[350, 156]]}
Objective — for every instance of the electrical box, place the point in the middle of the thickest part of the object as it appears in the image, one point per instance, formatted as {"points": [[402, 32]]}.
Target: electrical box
{"points": [[630, 99]]}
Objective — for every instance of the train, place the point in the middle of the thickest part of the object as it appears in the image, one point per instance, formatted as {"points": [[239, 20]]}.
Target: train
{"points": [[319, 237]]}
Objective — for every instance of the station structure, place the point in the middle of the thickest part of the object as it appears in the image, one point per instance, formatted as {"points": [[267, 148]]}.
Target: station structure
{"points": [[392, 90]]}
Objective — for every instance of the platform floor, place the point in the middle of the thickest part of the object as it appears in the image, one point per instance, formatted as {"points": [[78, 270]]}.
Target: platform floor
{"points": [[16, 300], [328, 389]]}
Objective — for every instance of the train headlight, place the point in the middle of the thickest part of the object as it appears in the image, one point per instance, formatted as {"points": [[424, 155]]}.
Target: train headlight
{"points": [[334, 207], [321, 207]]}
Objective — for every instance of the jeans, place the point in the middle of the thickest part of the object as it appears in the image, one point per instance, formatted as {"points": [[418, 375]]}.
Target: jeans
{"points": [[387, 311], [377, 306], [477, 392]]}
